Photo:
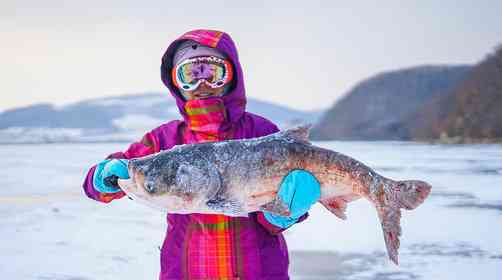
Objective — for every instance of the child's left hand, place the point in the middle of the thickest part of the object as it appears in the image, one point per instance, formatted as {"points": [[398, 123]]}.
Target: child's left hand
{"points": [[106, 169]]}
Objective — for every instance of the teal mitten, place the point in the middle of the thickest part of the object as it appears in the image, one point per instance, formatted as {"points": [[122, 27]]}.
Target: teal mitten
{"points": [[107, 168], [300, 190]]}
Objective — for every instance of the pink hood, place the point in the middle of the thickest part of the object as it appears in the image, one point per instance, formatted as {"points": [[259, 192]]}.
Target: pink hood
{"points": [[235, 100]]}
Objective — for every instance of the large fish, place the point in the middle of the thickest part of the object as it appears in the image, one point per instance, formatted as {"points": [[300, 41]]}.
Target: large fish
{"points": [[237, 177]]}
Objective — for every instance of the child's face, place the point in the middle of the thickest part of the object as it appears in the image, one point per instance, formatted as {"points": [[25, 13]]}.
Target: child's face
{"points": [[203, 91]]}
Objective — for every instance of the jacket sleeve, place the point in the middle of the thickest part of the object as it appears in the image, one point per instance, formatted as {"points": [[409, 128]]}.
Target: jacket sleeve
{"points": [[149, 144], [265, 127], [273, 229]]}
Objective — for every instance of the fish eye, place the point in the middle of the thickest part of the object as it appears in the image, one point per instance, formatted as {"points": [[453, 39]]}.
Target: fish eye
{"points": [[149, 188]]}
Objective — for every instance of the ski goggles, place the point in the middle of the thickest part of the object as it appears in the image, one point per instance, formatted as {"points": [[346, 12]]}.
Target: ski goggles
{"points": [[213, 71]]}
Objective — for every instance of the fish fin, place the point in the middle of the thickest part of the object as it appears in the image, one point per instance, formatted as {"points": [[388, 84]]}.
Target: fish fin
{"points": [[390, 219], [408, 194], [300, 133], [276, 207], [336, 206], [227, 207], [401, 194]]}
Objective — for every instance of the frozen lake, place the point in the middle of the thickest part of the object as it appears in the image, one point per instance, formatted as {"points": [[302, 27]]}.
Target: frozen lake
{"points": [[50, 230]]}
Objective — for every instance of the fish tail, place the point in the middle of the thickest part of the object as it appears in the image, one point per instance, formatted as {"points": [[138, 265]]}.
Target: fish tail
{"points": [[397, 195], [407, 194]]}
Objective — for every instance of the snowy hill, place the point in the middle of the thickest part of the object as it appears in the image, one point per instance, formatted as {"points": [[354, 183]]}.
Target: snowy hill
{"points": [[120, 118]]}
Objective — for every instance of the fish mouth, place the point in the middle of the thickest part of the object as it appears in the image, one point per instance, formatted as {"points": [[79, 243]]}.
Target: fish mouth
{"points": [[137, 178]]}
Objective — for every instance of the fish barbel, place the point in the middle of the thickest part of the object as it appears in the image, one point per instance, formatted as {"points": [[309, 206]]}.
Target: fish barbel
{"points": [[236, 177]]}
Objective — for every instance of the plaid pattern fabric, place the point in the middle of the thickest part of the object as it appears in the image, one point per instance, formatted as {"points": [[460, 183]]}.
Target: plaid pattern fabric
{"points": [[209, 248], [220, 247]]}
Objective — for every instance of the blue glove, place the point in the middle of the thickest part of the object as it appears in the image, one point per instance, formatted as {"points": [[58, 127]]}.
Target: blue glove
{"points": [[107, 168], [300, 190]]}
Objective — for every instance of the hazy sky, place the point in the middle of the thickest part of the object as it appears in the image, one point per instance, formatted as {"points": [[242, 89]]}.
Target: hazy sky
{"points": [[304, 54]]}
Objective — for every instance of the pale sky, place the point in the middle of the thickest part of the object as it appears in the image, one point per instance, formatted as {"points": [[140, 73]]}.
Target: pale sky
{"points": [[303, 54]]}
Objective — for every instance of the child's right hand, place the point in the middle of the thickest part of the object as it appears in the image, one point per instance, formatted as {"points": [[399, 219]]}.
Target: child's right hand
{"points": [[299, 190], [108, 168]]}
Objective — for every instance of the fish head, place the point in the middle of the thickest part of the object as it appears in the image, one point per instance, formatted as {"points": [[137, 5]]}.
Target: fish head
{"points": [[154, 175], [181, 186], [153, 183]]}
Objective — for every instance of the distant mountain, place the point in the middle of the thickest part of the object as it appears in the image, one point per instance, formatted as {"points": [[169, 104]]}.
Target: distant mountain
{"points": [[471, 111], [119, 118], [383, 107]]}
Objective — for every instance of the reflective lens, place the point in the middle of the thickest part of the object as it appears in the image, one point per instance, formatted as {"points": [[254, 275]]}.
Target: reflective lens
{"points": [[216, 72]]}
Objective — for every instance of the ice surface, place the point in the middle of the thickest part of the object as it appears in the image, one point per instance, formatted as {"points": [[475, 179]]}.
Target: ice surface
{"points": [[50, 230]]}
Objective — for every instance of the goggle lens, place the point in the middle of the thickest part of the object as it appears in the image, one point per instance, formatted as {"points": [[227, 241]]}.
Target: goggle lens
{"points": [[214, 71]]}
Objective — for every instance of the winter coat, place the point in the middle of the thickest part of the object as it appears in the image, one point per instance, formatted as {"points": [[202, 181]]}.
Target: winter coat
{"points": [[206, 246]]}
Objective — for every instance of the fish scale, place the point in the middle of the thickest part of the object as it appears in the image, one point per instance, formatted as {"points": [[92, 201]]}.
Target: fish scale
{"points": [[237, 177]]}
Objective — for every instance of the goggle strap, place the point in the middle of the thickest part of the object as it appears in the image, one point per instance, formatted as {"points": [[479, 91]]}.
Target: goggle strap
{"points": [[230, 71], [174, 78]]}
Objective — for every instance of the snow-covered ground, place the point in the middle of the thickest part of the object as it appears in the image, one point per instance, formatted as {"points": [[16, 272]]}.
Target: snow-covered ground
{"points": [[50, 230]]}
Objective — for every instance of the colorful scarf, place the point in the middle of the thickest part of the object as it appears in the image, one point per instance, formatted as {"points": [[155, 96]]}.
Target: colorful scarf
{"points": [[207, 121]]}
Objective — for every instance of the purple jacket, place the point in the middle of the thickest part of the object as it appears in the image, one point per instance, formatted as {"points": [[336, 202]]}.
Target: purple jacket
{"points": [[202, 246]]}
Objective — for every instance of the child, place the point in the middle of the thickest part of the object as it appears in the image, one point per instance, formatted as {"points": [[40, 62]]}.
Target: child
{"points": [[201, 69]]}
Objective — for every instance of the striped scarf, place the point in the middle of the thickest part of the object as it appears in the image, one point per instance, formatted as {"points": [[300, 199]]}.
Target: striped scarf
{"points": [[207, 121]]}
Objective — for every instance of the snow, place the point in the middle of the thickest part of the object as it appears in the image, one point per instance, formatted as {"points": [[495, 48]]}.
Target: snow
{"points": [[128, 118], [50, 230], [145, 101], [136, 122], [38, 135], [41, 135]]}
